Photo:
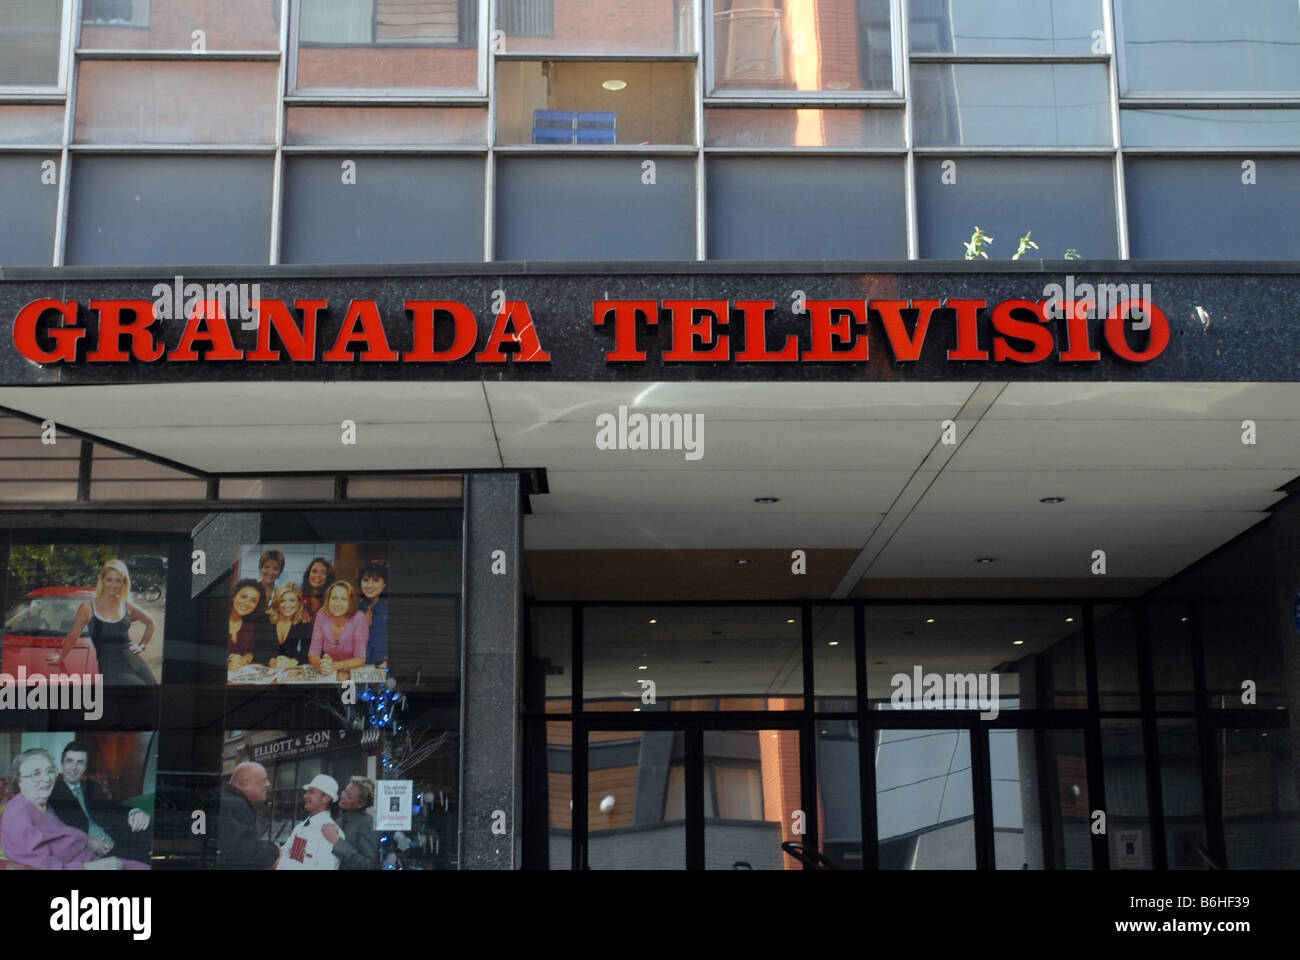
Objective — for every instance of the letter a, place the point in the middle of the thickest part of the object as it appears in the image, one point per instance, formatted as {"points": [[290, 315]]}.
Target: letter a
{"points": [[800, 564], [1099, 563], [1248, 433], [1248, 172], [498, 562], [1099, 823], [199, 823], [200, 562], [349, 428], [1248, 692]]}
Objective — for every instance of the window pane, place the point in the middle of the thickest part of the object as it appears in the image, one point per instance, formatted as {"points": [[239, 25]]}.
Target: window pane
{"points": [[1010, 105], [384, 126], [733, 127], [21, 124], [549, 673], [751, 792], [832, 207], [839, 795], [399, 209], [802, 46], [1065, 202], [1259, 799], [170, 25], [387, 44], [1171, 200], [1128, 817], [1170, 632], [29, 43], [626, 828], [1021, 835], [1208, 46], [1180, 785], [595, 104], [142, 210], [1003, 26], [1115, 635], [594, 208], [161, 102], [833, 661], [578, 26], [751, 656], [28, 196], [925, 815], [1210, 128]]}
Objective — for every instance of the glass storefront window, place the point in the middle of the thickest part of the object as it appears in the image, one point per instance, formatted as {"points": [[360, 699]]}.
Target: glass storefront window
{"points": [[797, 47], [1005, 26], [1259, 798], [925, 815]]}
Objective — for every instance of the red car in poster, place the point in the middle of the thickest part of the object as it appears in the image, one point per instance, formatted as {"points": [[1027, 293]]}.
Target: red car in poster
{"points": [[35, 628]]}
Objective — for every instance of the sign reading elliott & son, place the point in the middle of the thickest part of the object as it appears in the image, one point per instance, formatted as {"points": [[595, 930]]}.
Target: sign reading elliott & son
{"points": [[698, 331]]}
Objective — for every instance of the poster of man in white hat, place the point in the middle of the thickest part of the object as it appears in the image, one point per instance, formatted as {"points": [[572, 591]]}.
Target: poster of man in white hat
{"points": [[307, 848]]}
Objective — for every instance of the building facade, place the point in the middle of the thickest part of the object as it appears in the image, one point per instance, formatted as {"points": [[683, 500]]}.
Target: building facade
{"points": [[657, 435]]}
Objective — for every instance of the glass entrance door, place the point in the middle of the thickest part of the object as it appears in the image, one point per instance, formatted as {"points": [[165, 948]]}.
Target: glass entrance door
{"points": [[690, 796]]}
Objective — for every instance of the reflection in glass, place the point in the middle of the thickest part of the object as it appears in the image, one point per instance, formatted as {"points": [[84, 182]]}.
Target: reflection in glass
{"points": [[801, 45], [1180, 786], [24, 124], [1210, 128], [162, 102], [594, 103], [834, 677], [549, 671], [1023, 796], [751, 793], [698, 658], [1010, 105], [171, 25], [1004, 26], [1032, 650], [1208, 46], [636, 798], [1259, 799], [559, 794], [738, 127], [1169, 627], [387, 44], [839, 795], [1115, 636], [29, 44], [924, 809], [1128, 820], [578, 26], [387, 126]]}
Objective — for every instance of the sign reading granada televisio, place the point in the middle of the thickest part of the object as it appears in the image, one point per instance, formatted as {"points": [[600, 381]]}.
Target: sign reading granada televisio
{"points": [[830, 331]]}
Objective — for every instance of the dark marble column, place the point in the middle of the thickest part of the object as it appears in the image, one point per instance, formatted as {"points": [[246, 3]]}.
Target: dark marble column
{"points": [[491, 759]]}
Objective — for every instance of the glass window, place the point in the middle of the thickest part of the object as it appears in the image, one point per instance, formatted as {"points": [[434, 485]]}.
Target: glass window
{"points": [[832, 207], [595, 208], [119, 476], [839, 793], [179, 25], [971, 657], [1210, 128], [798, 47], [751, 792], [636, 801], [1115, 636], [833, 658], [1010, 105], [579, 26], [1128, 816], [30, 469], [398, 209], [31, 34], [1005, 26], [142, 209], [549, 672], [1198, 208], [1204, 46], [1021, 834], [1181, 788], [27, 124], [766, 127], [361, 45], [1170, 632], [1259, 799], [162, 102], [29, 194], [925, 814], [596, 103], [1065, 202], [749, 657], [386, 126]]}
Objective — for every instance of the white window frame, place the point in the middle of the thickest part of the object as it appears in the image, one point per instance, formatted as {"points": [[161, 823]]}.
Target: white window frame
{"points": [[60, 88]]}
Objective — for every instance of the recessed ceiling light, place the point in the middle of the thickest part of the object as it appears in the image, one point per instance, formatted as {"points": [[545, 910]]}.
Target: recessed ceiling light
{"points": [[929, 620], [614, 84], [1017, 643], [986, 559], [643, 667], [742, 561], [832, 643], [1051, 500], [767, 499], [654, 621], [790, 621], [1184, 619], [1069, 619], [636, 709]]}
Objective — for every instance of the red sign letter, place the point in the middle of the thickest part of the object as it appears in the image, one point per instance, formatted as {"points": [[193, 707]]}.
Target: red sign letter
{"points": [[530, 347], [423, 313], [371, 334], [891, 314], [686, 328], [1157, 337], [968, 346], [300, 344], [756, 335], [65, 337], [625, 312], [217, 334], [830, 324], [1029, 331], [111, 328]]}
